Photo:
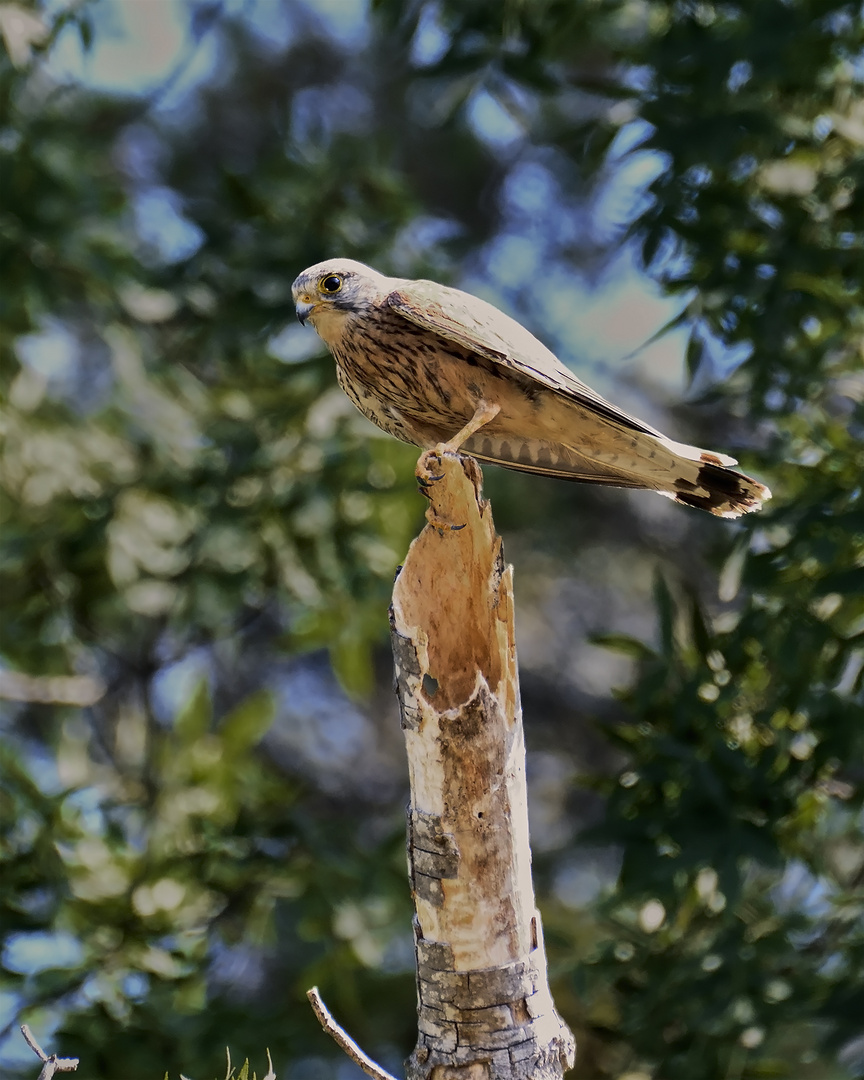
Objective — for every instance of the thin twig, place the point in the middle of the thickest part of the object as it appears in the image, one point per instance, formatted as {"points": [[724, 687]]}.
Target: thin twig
{"points": [[31, 1042], [343, 1040], [50, 1062]]}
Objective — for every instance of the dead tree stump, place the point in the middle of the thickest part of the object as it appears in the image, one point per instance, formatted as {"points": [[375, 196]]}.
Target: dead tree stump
{"points": [[484, 1007]]}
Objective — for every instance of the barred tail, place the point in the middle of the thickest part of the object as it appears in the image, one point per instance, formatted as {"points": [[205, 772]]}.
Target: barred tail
{"points": [[684, 473], [721, 491]]}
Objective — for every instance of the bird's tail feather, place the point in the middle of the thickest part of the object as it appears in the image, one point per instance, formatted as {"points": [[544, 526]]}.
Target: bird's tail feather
{"points": [[722, 491], [698, 478]]}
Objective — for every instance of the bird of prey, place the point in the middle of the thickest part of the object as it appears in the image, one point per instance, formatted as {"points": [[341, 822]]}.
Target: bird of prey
{"points": [[437, 367]]}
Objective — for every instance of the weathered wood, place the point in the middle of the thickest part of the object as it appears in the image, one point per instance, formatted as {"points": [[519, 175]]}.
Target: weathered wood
{"points": [[484, 1007]]}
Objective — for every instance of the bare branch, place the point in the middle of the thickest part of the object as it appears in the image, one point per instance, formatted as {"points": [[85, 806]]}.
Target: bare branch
{"points": [[31, 1042], [343, 1039], [51, 1064]]}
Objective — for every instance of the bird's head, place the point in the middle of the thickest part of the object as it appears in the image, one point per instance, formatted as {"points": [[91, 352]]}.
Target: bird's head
{"points": [[328, 293]]}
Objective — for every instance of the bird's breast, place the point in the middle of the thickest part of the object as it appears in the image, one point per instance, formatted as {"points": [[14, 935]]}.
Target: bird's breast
{"points": [[412, 369], [398, 373]]}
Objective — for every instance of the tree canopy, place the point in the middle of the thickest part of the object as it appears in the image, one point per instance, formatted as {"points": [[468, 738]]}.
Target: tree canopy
{"points": [[201, 780]]}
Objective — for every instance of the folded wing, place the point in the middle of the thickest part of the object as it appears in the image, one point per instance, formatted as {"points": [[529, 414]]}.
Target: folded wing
{"points": [[626, 453]]}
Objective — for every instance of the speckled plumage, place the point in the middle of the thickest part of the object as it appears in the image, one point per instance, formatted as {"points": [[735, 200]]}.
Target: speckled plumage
{"points": [[418, 359]]}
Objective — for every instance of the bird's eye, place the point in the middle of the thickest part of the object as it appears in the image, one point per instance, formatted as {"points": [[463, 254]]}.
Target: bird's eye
{"points": [[330, 284]]}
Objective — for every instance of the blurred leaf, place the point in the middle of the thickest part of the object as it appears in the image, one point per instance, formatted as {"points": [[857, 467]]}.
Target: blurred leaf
{"points": [[196, 715], [246, 725], [623, 644]]}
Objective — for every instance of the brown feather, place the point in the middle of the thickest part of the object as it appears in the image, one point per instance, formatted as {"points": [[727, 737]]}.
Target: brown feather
{"points": [[419, 359]]}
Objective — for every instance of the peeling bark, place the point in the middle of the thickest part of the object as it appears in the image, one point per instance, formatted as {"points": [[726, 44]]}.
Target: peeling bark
{"points": [[484, 1007]]}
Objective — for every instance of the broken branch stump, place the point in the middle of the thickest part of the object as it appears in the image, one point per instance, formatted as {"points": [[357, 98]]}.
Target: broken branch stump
{"points": [[485, 1011]]}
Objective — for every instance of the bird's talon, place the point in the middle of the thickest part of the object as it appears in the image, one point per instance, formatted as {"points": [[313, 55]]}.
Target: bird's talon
{"points": [[441, 527], [425, 480]]}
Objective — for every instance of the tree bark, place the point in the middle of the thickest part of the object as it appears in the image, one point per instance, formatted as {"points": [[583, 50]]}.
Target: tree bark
{"points": [[485, 1011]]}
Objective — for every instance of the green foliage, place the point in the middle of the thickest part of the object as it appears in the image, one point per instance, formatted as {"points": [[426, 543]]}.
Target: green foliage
{"points": [[185, 495]]}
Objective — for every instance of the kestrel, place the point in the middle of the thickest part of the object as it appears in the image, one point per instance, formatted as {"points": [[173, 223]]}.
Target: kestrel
{"points": [[434, 365]]}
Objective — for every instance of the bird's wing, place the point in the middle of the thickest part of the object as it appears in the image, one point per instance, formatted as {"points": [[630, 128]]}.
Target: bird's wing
{"points": [[630, 457], [471, 322]]}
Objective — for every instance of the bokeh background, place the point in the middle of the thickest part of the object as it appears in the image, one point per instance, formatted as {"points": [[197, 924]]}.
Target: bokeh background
{"points": [[201, 770]]}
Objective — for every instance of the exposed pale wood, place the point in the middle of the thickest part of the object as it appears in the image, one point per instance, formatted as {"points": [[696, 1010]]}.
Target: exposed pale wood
{"points": [[484, 1010]]}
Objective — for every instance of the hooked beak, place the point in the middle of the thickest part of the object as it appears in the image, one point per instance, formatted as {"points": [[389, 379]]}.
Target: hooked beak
{"points": [[304, 309]]}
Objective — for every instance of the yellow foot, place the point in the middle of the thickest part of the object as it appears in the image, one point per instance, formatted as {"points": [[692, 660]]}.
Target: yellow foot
{"points": [[485, 411]]}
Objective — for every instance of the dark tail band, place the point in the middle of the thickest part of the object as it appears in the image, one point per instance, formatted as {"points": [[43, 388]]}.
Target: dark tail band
{"points": [[729, 493]]}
